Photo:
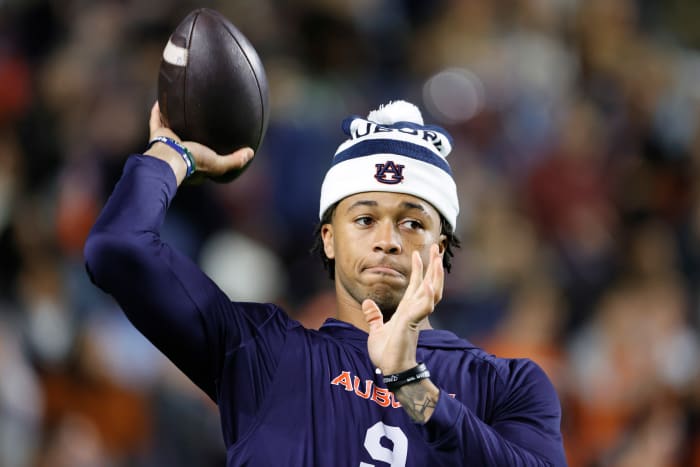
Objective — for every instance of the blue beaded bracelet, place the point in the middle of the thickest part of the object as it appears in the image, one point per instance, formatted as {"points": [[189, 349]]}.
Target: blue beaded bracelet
{"points": [[181, 149]]}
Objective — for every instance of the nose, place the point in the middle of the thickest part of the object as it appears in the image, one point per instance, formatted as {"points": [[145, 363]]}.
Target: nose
{"points": [[387, 239]]}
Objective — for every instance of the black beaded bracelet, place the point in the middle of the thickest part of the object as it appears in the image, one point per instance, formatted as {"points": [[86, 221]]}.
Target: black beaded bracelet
{"points": [[180, 148], [395, 381]]}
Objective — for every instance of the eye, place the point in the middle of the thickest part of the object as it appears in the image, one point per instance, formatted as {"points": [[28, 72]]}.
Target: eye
{"points": [[364, 221], [412, 224]]}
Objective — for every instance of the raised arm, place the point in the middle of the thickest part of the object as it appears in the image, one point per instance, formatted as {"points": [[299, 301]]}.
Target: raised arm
{"points": [[162, 292]]}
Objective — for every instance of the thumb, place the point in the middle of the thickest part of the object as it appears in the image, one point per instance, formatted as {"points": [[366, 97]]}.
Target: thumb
{"points": [[154, 122], [210, 163], [373, 315], [237, 159]]}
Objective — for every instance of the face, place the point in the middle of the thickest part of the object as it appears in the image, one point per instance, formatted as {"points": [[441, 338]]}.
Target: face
{"points": [[372, 237]]}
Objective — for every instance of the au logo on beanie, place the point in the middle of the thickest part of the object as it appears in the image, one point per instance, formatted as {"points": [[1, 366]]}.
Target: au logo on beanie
{"points": [[389, 172], [383, 149]]}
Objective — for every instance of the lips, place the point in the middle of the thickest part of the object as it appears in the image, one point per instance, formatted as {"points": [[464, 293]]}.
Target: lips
{"points": [[386, 269]]}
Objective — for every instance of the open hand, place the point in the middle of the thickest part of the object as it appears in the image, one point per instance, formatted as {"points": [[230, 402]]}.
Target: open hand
{"points": [[392, 345], [208, 162]]}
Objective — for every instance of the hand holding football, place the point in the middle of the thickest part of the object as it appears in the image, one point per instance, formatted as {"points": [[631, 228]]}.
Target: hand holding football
{"points": [[212, 86]]}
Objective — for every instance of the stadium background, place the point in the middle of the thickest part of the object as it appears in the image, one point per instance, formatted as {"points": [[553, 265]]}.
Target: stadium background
{"points": [[577, 156]]}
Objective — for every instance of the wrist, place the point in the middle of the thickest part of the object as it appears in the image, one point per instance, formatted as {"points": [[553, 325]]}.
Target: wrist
{"points": [[394, 381], [174, 153], [398, 368]]}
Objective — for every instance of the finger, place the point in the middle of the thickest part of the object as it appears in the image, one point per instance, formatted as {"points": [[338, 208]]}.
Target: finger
{"points": [[212, 163], [430, 271], [154, 122], [434, 277], [429, 276], [234, 161], [373, 315], [438, 278], [416, 273], [237, 159], [435, 262]]}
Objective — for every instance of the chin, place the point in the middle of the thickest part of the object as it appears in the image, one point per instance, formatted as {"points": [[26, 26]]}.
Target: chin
{"points": [[387, 300]]}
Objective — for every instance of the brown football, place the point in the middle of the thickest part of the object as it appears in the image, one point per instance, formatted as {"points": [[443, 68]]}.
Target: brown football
{"points": [[212, 86]]}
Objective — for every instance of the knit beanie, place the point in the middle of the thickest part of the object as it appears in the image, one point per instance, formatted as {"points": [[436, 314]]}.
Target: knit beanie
{"points": [[392, 150]]}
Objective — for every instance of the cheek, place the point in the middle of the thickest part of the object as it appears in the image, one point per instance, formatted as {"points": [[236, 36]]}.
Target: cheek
{"points": [[344, 245], [421, 244], [419, 241], [349, 249]]}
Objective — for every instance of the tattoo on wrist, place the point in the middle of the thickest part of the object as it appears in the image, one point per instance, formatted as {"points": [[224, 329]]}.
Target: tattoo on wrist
{"points": [[418, 400]]}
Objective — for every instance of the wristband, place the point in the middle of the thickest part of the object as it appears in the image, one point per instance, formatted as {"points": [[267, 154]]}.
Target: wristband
{"points": [[395, 381], [181, 149]]}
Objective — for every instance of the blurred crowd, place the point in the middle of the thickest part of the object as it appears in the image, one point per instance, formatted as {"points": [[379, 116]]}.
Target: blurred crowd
{"points": [[577, 154]]}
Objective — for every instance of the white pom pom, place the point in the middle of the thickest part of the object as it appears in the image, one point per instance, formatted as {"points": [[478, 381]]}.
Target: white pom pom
{"points": [[396, 111]]}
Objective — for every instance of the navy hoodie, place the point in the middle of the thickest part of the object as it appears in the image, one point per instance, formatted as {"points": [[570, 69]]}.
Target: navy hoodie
{"points": [[291, 396]]}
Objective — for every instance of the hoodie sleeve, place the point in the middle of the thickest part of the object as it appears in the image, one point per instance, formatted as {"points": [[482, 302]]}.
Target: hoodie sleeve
{"points": [[165, 294], [524, 431]]}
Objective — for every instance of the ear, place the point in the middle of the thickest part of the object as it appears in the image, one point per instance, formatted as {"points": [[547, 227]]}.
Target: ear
{"points": [[327, 237], [442, 243]]}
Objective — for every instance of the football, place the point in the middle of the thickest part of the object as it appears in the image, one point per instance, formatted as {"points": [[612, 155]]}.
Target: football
{"points": [[212, 86]]}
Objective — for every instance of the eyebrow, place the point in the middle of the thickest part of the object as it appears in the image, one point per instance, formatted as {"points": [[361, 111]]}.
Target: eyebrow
{"points": [[410, 205], [362, 202], [405, 205]]}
